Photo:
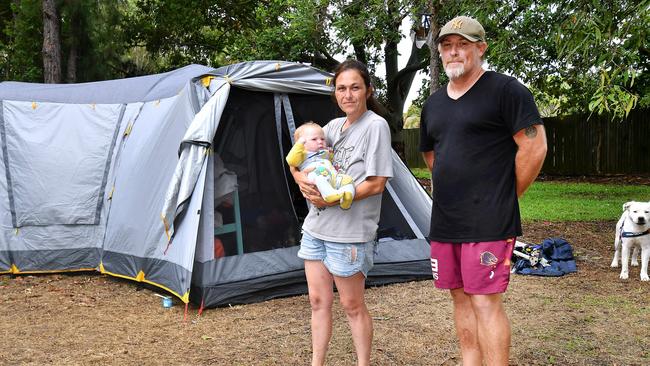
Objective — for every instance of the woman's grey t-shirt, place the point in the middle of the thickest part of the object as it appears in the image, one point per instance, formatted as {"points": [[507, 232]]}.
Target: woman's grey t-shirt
{"points": [[362, 150]]}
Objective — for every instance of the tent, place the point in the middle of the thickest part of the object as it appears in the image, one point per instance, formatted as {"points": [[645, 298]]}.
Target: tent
{"points": [[178, 180]]}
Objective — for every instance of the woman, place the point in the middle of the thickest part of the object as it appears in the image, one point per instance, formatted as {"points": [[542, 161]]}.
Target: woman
{"points": [[338, 245]]}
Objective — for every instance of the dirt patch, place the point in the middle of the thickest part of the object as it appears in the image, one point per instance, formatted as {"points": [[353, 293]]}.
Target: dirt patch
{"points": [[587, 318]]}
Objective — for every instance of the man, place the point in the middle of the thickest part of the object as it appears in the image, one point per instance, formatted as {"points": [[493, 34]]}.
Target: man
{"points": [[483, 140]]}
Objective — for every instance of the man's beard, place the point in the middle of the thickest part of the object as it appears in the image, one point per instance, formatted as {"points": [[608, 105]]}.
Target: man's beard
{"points": [[455, 72]]}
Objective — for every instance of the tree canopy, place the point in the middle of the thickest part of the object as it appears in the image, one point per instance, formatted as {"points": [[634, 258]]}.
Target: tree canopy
{"points": [[575, 55]]}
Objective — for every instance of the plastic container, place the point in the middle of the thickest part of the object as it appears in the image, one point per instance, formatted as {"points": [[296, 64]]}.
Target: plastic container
{"points": [[167, 302]]}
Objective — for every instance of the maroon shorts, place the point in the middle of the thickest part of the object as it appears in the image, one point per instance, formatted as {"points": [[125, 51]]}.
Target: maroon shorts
{"points": [[481, 268]]}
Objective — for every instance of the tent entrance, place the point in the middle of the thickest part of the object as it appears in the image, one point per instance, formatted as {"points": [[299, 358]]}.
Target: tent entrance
{"points": [[271, 207], [246, 142]]}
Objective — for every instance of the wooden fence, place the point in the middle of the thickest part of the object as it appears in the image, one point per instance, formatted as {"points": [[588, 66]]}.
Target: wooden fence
{"points": [[581, 146], [412, 155]]}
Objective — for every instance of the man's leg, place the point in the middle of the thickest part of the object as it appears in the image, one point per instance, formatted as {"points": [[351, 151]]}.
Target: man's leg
{"points": [[321, 297], [493, 328], [351, 292], [466, 327], [486, 274]]}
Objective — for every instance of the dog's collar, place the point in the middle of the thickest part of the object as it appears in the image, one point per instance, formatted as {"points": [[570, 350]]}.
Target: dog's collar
{"points": [[632, 234]]}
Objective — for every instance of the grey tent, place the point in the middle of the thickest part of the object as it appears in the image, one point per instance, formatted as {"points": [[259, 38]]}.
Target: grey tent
{"points": [[178, 180]]}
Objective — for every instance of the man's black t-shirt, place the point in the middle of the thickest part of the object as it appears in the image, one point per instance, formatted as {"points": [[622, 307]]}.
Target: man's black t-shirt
{"points": [[474, 188]]}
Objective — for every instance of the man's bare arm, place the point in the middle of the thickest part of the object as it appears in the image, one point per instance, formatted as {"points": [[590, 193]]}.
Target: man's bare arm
{"points": [[429, 159], [531, 144]]}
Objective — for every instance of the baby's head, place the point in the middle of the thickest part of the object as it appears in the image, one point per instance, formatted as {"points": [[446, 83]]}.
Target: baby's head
{"points": [[311, 135]]}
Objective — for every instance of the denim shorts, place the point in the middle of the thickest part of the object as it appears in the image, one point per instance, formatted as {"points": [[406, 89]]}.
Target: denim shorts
{"points": [[340, 259]]}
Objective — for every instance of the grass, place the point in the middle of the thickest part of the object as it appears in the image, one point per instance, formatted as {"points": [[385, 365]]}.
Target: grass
{"points": [[421, 173], [563, 201]]}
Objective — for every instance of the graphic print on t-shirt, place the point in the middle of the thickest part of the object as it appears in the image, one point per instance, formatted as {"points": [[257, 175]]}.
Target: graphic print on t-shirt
{"points": [[342, 158]]}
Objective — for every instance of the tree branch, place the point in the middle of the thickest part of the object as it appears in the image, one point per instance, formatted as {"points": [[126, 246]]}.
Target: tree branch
{"points": [[411, 68], [506, 22], [360, 52]]}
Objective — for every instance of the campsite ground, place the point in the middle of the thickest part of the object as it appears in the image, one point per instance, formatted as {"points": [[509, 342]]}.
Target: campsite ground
{"points": [[587, 318]]}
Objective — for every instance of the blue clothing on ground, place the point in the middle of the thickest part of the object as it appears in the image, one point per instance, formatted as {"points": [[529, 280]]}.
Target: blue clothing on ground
{"points": [[558, 252]]}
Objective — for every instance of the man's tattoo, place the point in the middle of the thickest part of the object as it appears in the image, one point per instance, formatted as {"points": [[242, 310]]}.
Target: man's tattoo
{"points": [[531, 132]]}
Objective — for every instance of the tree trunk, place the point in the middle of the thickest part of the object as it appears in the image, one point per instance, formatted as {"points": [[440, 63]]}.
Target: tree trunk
{"points": [[72, 39], [434, 59], [599, 146], [51, 43], [360, 52], [392, 98], [71, 69], [398, 82]]}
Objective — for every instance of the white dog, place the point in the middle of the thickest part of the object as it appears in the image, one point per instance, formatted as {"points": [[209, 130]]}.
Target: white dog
{"points": [[633, 231]]}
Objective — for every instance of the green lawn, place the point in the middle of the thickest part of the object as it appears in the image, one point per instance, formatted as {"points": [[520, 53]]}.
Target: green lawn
{"points": [[421, 173], [562, 201]]}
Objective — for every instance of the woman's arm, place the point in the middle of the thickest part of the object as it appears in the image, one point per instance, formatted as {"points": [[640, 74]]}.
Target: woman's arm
{"points": [[370, 187], [308, 189]]}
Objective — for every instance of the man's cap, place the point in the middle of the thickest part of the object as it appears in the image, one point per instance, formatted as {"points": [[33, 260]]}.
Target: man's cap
{"points": [[466, 27]]}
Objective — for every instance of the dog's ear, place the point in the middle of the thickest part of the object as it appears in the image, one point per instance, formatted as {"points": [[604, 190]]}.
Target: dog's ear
{"points": [[627, 205]]}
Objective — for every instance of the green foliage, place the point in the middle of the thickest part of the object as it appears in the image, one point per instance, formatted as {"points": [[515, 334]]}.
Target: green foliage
{"points": [[290, 30], [92, 28], [560, 201], [324, 33], [180, 32], [607, 40], [412, 116], [575, 56], [104, 55], [20, 51], [320, 32]]}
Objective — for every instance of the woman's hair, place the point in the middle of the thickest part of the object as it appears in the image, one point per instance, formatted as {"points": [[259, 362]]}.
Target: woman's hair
{"points": [[351, 64]]}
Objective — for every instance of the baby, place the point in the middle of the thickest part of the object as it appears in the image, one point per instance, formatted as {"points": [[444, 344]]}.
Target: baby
{"points": [[310, 150]]}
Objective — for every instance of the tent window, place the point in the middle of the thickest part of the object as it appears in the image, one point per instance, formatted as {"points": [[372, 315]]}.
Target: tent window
{"points": [[57, 158]]}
